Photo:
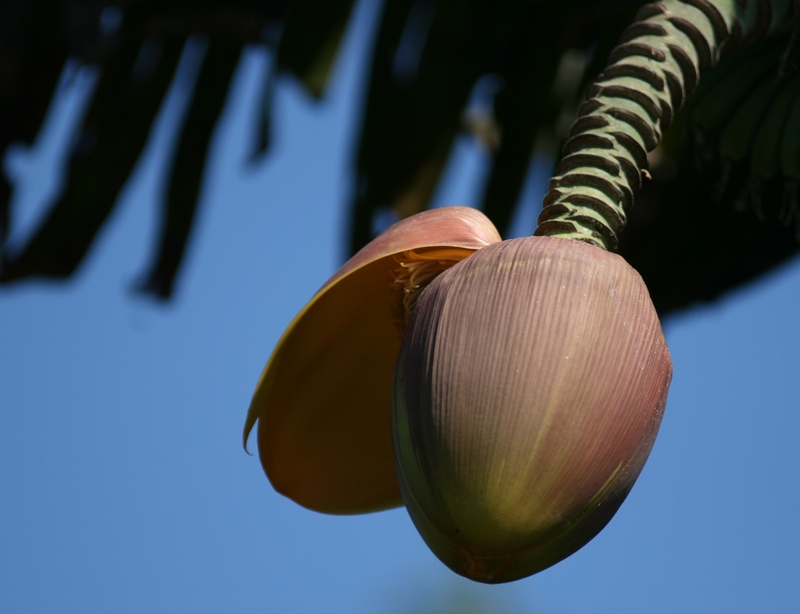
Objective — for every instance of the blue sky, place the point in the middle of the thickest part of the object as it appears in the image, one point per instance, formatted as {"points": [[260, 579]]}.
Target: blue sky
{"points": [[124, 485]]}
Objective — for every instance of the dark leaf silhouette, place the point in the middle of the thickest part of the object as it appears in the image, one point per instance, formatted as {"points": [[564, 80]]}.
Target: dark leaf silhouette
{"points": [[32, 42], [186, 175], [508, 74], [111, 139], [310, 40]]}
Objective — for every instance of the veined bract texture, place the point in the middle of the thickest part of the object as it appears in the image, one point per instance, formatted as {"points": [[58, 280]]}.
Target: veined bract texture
{"points": [[528, 392]]}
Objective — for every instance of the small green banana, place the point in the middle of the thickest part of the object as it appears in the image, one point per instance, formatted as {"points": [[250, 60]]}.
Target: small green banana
{"points": [[790, 145], [739, 132], [721, 93], [767, 146]]}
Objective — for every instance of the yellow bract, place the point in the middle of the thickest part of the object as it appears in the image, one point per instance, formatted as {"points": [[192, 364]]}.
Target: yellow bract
{"points": [[323, 401]]}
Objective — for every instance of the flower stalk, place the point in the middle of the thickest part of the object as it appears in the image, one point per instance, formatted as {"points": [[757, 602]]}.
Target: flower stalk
{"points": [[650, 75]]}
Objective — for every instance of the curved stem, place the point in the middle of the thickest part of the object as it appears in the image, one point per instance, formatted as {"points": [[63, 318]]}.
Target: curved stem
{"points": [[650, 75]]}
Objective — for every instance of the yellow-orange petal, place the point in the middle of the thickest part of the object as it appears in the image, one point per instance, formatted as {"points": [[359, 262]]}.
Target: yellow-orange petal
{"points": [[323, 401]]}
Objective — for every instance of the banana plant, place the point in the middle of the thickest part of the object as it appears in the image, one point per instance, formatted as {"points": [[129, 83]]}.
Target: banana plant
{"points": [[532, 374]]}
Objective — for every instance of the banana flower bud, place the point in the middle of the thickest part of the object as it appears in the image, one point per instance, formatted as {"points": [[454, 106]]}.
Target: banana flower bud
{"points": [[528, 392]]}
